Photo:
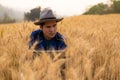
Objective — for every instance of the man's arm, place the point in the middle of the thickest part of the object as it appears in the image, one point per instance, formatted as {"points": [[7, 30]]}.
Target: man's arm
{"points": [[33, 38]]}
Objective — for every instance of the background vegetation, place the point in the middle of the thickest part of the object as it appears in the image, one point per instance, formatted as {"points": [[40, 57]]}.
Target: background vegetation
{"points": [[101, 8]]}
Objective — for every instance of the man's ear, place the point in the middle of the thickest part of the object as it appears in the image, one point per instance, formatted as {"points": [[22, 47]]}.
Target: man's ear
{"points": [[41, 27]]}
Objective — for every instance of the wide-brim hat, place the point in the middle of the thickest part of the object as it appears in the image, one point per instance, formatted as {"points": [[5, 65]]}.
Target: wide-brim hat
{"points": [[47, 15]]}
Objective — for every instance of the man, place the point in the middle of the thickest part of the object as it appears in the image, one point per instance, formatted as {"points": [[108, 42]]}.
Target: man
{"points": [[47, 37]]}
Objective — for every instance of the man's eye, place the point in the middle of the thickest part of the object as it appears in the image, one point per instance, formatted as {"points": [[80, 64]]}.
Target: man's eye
{"points": [[48, 26]]}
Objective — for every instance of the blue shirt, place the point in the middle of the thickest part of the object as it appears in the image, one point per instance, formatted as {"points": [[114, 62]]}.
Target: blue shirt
{"points": [[56, 43]]}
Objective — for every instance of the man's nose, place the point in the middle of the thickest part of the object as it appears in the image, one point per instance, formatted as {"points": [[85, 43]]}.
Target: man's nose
{"points": [[52, 29]]}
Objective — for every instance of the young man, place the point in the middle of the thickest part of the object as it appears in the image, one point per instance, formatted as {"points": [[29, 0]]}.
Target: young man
{"points": [[47, 37]]}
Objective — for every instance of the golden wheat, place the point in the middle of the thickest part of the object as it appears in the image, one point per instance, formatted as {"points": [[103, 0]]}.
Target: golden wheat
{"points": [[93, 50]]}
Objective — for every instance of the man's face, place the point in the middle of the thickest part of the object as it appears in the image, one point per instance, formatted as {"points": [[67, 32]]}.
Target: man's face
{"points": [[49, 29]]}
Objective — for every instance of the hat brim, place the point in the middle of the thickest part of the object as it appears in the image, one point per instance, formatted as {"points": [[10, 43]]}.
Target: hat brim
{"points": [[46, 20]]}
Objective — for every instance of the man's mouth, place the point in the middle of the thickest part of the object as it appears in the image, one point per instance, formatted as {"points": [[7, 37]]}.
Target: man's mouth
{"points": [[52, 34]]}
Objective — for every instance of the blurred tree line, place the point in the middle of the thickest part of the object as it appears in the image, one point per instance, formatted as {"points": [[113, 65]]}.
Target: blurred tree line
{"points": [[102, 8], [7, 19], [33, 15]]}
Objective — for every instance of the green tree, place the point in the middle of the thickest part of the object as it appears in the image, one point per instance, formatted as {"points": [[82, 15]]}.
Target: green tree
{"points": [[98, 9], [33, 14], [27, 16], [115, 6]]}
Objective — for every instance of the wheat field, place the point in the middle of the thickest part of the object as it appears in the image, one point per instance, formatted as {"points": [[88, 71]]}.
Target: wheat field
{"points": [[93, 51]]}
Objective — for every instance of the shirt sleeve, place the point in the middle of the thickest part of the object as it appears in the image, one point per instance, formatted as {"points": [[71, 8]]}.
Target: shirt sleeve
{"points": [[62, 45], [33, 38]]}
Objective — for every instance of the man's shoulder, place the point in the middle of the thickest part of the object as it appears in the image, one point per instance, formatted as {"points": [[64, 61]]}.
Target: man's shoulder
{"points": [[60, 37], [35, 33], [62, 41]]}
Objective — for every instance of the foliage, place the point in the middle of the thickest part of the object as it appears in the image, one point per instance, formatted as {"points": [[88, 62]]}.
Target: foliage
{"points": [[7, 19], [116, 6], [98, 9], [33, 14], [105, 8]]}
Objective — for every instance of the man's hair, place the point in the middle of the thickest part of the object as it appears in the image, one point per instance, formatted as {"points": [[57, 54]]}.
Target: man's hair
{"points": [[42, 24]]}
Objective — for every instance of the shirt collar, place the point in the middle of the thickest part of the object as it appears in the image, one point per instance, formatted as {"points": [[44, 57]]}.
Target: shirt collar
{"points": [[58, 36]]}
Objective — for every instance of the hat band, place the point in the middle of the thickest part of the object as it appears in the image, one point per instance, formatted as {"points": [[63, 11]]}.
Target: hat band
{"points": [[48, 18]]}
